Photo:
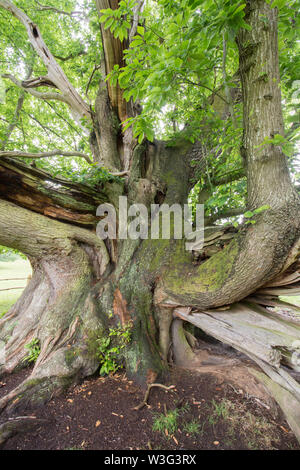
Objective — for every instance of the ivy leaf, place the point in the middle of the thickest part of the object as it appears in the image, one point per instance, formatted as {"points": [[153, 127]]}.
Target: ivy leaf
{"points": [[248, 214]]}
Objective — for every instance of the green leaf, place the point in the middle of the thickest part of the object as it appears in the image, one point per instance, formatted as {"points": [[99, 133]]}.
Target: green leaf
{"points": [[261, 209]]}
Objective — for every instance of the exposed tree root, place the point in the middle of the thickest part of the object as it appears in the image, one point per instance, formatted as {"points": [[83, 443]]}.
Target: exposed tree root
{"points": [[49, 379], [255, 256], [65, 358], [64, 319], [58, 307], [209, 360]]}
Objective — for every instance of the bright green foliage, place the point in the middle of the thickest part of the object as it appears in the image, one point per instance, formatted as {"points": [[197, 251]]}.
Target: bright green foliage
{"points": [[174, 64], [250, 214], [79, 172], [176, 68], [74, 41], [169, 422], [10, 254], [118, 21]]}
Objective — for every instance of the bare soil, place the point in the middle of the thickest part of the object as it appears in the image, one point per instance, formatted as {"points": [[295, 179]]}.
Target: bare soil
{"points": [[199, 413]]}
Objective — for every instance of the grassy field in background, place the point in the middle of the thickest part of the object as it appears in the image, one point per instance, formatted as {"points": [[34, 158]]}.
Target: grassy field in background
{"points": [[9, 270]]}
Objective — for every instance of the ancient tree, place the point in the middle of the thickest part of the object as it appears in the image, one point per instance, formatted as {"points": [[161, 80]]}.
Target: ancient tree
{"points": [[82, 285]]}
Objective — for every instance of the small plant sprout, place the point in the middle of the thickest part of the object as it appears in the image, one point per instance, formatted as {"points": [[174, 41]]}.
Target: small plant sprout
{"points": [[166, 424]]}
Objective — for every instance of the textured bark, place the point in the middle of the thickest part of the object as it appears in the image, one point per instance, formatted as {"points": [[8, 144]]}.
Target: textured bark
{"points": [[54, 197], [77, 282], [57, 307], [113, 55], [258, 253], [106, 135]]}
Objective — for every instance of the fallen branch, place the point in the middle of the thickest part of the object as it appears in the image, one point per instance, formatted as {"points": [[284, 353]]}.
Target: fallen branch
{"points": [[53, 153], [146, 397]]}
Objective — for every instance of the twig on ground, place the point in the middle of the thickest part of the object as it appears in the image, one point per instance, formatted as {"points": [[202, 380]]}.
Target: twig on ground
{"points": [[150, 386]]}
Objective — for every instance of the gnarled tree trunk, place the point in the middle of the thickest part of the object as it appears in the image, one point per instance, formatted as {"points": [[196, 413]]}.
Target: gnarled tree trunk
{"points": [[79, 280]]}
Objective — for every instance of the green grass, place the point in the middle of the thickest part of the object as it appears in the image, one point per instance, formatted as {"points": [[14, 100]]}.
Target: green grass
{"points": [[239, 423], [220, 410], [8, 270]]}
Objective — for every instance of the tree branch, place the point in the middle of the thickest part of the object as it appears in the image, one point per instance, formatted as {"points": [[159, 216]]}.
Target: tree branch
{"points": [[201, 85], [96, 67], [45, 128], [227, 90], [137, 10], [70, 56], [56, 75], [120, 173], [55, 197], [53, 153], [37, 82]]}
